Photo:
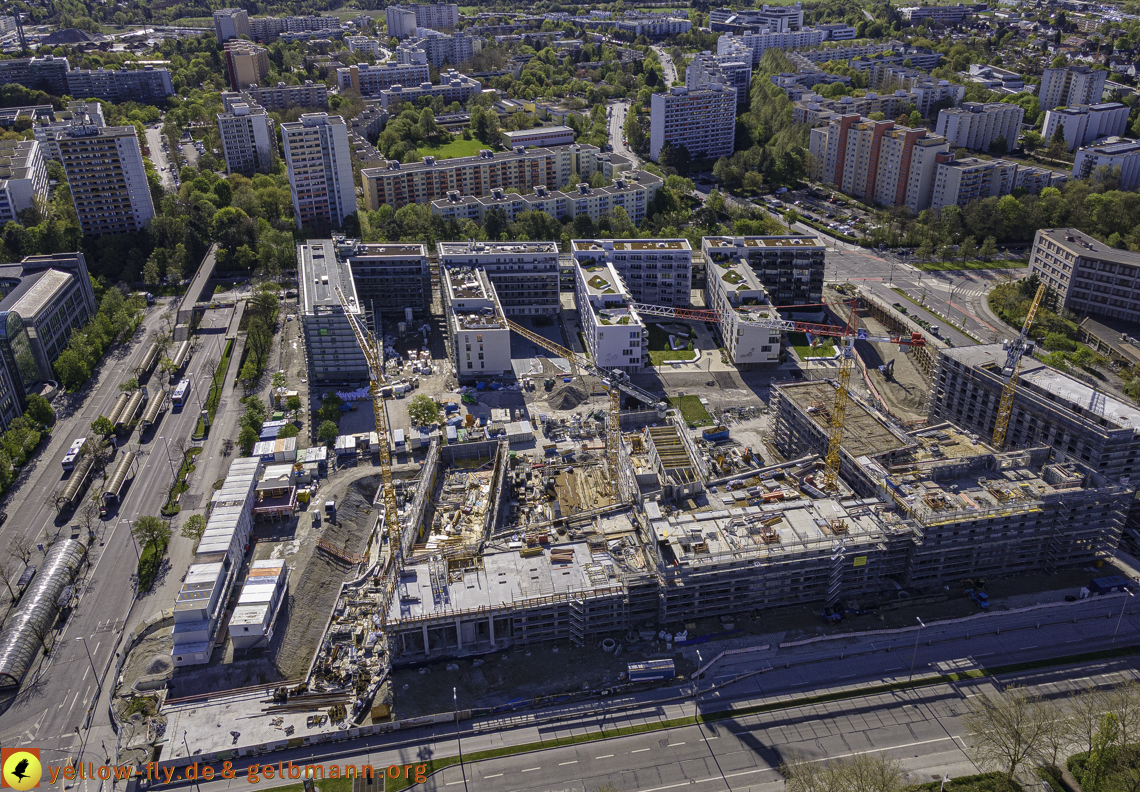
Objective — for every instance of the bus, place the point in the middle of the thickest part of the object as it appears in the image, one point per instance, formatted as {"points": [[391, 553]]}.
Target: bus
{"points": [[73, 453], [178, 398]]}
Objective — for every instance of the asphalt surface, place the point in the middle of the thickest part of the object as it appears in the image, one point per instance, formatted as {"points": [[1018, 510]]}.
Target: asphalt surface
{"points": [[158, 156], [667, 66], [618, 115], [57, 694]]}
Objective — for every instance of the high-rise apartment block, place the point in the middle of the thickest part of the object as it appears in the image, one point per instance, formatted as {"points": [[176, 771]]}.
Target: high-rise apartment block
{"points": [[703, 121], [317, 156], [269, 29], [282, 97], [398, 184], [46, 127], [776, 19], [453, 87], [1124, 154], [525, 274], [231, 23], [248, 139], [48, 73], [707, 69], [656, 271], [147, 85], [976, 126], [23, 178], [1088, 276], [403, 20], [754, 45], [371, 80], [789, 267], [367, 45], [438, 49], [1085, 124], [478, 338], [947, 15], [246, 63], [1071, 85], [959, 181], [105, 172]]}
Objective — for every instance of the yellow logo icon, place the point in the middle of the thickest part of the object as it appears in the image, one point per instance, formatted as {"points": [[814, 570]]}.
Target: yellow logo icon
{"points": [[21, 768]]}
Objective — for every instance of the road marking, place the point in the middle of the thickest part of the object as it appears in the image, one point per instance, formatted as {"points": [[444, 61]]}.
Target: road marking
{"points": [[531, 769], [711, 738], [560, 764], [607, 756], [453, 783], [674, 745], [496, 775], [639, 750]]}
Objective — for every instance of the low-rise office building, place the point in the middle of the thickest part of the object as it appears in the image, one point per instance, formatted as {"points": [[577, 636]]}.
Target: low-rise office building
{"points": [[543, 137], [1088, 276]]}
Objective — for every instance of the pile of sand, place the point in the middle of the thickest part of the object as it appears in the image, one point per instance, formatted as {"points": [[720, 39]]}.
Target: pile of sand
{"points": [[567, 396]]}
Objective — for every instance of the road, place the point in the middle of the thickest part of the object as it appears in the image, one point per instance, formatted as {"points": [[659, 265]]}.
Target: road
{"points": [[56, 695], [667, 66], [158, 156], [619, 111]]}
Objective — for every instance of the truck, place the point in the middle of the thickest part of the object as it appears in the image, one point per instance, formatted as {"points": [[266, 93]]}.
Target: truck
{"points": [[112, 493]]}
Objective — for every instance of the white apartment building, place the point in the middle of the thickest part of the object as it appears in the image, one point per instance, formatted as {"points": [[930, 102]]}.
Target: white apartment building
{"points": [[403, 20], [248, 139], [280, 97], [104, 167], [777, 19], [703, 121], [616, 337], [231, 23], [370, 80], [318, 160], [437, 48], [656, 271], [368, 45], [453, 87], [957, 182], [927, 154], [976, 126], [1085, 124], [45, 129], [926, 93], [23, 178], [653, 26], [1033, 179], [1124, 154], [525, 274], [707, 69], [479, 340], [631, 191], [758, 43], [1071, 85], [733, 290], [790, 267], [942, 14]]}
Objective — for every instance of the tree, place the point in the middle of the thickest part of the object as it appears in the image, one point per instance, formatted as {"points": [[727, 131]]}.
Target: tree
{"points": [[1031, 140], [946, 253], [988, 249], [21, 547], [194, 527], [149, 529], [247, 439], [1009, 730], [39, 410], [999, 146], [102, 426], [862, 773], [968, 250], [293, 404], [327, 432], [1057, 144], [925, 251], [129, 386], [330, 408], [423, 410], [6, 577], [288, 430]]}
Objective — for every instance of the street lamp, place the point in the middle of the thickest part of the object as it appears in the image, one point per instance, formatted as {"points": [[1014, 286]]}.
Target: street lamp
{"points": [[950, 304], [168, 461], [458, 739], [697, 686], [134, 543], [89, 658], [914, 654], [1120, 617], [697, 720]]}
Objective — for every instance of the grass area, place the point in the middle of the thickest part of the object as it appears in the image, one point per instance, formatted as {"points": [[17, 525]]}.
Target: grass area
{"points": [[799, 342], [194, 22], [985, 782], [692, 410], [456, 148], [660, 351], [149, 563], [172, 506], [943, 266], [921, 322]]}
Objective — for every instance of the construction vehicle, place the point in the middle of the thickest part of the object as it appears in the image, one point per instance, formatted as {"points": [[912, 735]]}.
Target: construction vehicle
{"points": [[980, 597], [374, 355], [1015, 350]]}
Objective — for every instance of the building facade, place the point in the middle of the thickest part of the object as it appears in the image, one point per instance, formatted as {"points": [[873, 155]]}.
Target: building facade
{"points": [[1071, 85], [438, 49], [1085, 124], [246, 63], [370, 80], [616, 337], [331, 349], [542, 137], [392, 280], [47, 73], [1088, 276], [23, 178], [957, 182], [105, 172], [703, 121], [790, 268], [1124, 155], [656, 271], [453, 87], [231, 23], [281, 96], [147, 85], [478, 338], [525, 274], [733, 290], [706, 69], [318, 160], [976, 126], [403, 20], [249, 142]]}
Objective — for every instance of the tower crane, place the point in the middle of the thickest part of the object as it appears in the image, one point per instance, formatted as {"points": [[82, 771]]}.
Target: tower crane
{"points": [[375, 360], [1011, 369]]}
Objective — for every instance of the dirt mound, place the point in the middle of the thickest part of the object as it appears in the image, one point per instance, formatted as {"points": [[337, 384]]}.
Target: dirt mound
{"points": [[567, 396], [159, 664]]}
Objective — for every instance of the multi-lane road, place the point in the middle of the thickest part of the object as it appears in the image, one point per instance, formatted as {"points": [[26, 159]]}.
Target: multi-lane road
{"points": [[58, 692]]}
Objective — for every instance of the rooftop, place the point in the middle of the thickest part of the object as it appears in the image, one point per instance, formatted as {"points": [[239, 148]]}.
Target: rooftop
{"points": [[764, 241], [36, 292], [484, 157], [496, 248], [1089, 247], [735, 275], [320, 272], [864, 434], [598, 245], [1118, 147]]}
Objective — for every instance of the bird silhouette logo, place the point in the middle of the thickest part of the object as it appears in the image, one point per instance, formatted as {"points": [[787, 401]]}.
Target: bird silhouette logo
{"points": [[20, 768]]}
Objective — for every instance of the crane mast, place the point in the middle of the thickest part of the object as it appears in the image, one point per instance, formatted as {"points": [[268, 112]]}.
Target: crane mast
{"points": [[375, 378], [1011, 369]]}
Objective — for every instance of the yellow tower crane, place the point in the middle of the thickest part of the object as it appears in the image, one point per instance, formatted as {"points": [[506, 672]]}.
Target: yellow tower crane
{"points": [[1011, 369], [375, 359]]}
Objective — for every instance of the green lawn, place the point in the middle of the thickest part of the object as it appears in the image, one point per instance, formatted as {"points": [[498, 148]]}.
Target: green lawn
{"points": [[800, 343], [692, 410], [660, 351], [456, 148], [194, 21], [942, 266]]}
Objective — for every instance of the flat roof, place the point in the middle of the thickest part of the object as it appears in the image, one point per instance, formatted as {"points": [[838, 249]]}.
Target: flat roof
{"points": [[1086, 246], [389, 249], [551, 130], [495, 248], [763, 241], [602, 280], [863, 433], [597, 245], [319, 272]]}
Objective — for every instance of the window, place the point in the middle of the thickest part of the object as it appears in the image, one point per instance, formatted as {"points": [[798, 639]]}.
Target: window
{"points": [[469, 364]]}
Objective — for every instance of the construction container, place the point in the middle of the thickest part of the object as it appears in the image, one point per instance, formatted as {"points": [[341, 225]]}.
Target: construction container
{"points": [[650, 670], [715, 433]]}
